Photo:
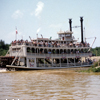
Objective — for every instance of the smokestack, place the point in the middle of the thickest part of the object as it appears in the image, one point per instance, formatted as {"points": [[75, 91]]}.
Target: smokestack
{"points": [[70, 24], [81, 20]]}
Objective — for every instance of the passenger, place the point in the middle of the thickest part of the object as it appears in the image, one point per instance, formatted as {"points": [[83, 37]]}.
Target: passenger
{"points": [[41, 43], [46, 44], [49, 44], [52, 44]]}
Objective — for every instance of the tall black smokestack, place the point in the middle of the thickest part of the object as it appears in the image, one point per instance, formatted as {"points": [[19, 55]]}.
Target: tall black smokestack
{"points": [[81, 20], [70, 24]]}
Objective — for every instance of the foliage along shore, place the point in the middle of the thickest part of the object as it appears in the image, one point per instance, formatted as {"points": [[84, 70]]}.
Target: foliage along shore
{"points": [[3, 48], [94, 68]]}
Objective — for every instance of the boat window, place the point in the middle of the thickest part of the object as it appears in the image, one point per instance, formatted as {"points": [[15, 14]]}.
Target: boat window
{"points": [[37, 50], [28, 49], [14, 49], [53, 51], [57, 51], [65, 51], [41, 50], [33, 50], [31, 60], [61, 51], [45, 50]]}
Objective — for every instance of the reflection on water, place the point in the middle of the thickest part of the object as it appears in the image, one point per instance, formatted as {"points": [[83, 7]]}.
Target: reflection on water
{"points": [[49, 85]]}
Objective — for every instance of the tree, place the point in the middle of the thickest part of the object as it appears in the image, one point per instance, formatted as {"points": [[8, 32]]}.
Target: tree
{"points": [[3, 48], [96, 51]]}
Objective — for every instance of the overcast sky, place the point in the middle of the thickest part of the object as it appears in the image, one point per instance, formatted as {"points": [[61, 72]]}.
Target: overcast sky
{"points": [[47, 17]]}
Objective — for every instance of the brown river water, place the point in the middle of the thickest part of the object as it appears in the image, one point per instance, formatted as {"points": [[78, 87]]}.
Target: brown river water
{"points": [[63, 84]]}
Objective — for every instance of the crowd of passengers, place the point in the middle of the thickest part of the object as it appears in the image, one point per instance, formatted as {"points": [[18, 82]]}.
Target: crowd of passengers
{"points": [[50, 44], [19, 42], [89, 61]]}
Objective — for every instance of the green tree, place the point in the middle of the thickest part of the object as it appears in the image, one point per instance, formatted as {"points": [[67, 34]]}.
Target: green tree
{"points": [[3, 48], [96, 51]]}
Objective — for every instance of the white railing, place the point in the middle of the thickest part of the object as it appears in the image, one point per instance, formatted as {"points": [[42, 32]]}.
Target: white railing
{"points": [[63, 65], [59, 55], [13, 53], [44, 65], [49, 45], [16, 56]]}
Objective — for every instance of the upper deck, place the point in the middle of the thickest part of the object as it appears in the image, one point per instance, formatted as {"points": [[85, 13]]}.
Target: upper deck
{"points": [[48, 43], [44, 46], [64, 44]]}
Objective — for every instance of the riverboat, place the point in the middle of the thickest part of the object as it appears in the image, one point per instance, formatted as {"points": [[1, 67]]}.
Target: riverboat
{"points": [[46, 53]]}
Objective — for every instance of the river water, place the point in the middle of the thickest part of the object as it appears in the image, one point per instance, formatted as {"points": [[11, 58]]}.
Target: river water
{"points": [[49, 85]]}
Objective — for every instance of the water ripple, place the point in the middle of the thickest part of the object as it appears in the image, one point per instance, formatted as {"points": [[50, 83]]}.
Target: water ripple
{"points": [[49, 85]]}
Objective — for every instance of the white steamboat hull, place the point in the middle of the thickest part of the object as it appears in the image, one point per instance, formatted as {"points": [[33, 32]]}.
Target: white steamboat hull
{"points": [[42, 68]]}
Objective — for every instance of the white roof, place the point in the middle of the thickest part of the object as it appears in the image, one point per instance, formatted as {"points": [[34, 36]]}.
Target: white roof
{"points": [[65, 32]]}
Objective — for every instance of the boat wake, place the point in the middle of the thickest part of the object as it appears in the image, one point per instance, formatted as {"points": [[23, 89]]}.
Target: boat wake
{"points": [[3, 70]]}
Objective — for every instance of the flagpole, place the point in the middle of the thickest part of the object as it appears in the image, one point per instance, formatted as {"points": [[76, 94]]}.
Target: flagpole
{"points": [[16, 39], [16, 34]]}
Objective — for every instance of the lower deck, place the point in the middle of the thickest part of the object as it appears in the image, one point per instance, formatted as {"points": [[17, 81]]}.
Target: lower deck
{"points": [[61, 62], [49, 63], [30, 63], [11, 67]]}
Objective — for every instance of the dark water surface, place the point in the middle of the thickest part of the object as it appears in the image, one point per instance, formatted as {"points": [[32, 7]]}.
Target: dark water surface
{"points": [[49, 85]]}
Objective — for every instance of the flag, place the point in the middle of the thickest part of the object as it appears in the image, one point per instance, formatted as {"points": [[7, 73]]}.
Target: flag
{"points": [[50, 38], [41, 36], [16, 31], [37, 35]]}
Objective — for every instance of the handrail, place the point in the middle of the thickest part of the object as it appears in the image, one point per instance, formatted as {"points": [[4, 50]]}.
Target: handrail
{"points": [[16, 56], [62, 65], [59, 55], [50, 46]]}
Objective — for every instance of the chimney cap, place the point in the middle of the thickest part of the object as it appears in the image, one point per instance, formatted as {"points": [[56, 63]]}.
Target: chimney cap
{"points": [[70, 20], [81, 18]]}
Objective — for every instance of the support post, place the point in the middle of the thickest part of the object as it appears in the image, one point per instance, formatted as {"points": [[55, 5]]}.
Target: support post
{"points": [[27, 62], [60, 62], [52, 61], [67, 61], [81, 61], [44, 62], [74, 61]]}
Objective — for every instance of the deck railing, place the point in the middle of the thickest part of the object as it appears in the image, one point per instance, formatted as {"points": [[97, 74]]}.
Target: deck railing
{"points": [[48, 56], [63, 65], [49, 45]]}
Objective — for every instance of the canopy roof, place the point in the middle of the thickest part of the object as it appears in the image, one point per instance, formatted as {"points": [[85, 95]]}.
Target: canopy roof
{"points": [[65, 32]]}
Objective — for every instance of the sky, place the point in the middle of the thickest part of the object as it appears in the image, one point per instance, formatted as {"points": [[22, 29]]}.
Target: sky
{"points": [[47, 17]]}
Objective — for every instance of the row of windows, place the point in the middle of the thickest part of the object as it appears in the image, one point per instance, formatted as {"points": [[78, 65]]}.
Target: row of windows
{"points": [[56, 51]]}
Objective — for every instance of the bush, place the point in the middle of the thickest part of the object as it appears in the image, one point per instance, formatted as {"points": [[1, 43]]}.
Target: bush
{"points": [[95, 65], [93, 68], [97, 70]]}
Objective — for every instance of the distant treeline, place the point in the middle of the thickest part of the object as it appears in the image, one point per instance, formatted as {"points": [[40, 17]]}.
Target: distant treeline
{"points": [[96, 51], [3, 48]]}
